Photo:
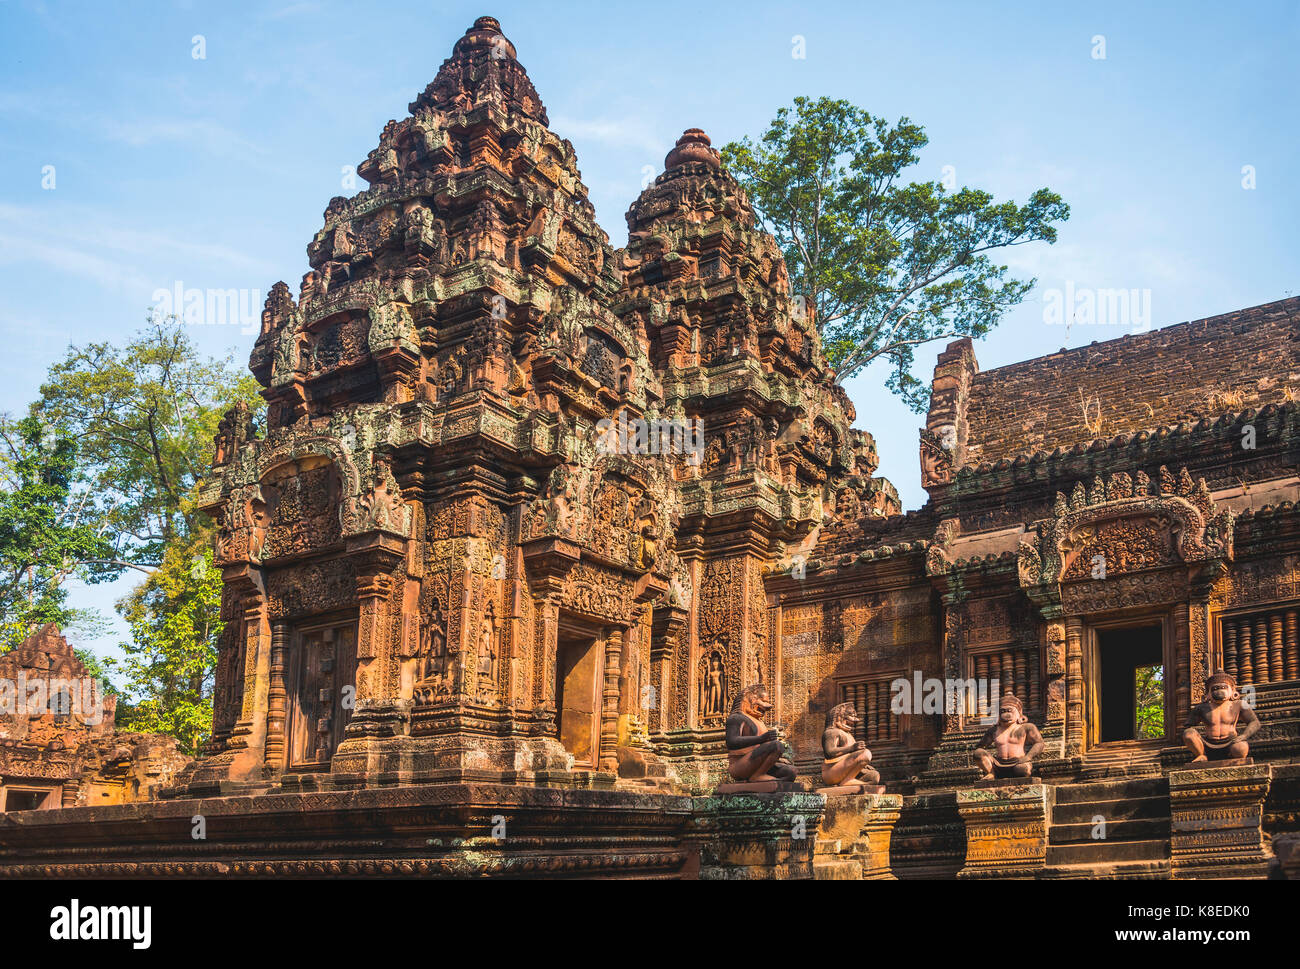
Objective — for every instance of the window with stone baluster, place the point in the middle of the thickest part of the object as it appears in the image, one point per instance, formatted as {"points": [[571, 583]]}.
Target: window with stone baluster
{"points": [[871, 698], [1262, 645], [997, 672]]}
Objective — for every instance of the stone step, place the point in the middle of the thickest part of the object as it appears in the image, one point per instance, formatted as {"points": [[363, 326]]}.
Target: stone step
{"points": [[1119, 870], [1099, 852], [1118, 789], [1121, 809], [1143, 829], [1122, 753]]}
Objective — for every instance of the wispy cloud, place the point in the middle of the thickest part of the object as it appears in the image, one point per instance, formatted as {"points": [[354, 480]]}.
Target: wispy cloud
{"points": [[203, 134], [621, 133], [200, 133], [91, 244]]}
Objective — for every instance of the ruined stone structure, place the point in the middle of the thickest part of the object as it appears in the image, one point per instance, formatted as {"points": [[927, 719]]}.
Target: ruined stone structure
{"points": [[451, 589], [59, 746]]}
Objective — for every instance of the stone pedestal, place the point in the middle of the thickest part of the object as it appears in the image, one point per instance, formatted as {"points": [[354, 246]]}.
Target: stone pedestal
{"points": [[757, 836], [760, 787], [850, 789], [1006, 830], [854, 838], [1216, 821]]}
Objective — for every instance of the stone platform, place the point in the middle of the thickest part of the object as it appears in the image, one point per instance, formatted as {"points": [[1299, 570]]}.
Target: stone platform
{"points": [[451, 830], [854, 840]]}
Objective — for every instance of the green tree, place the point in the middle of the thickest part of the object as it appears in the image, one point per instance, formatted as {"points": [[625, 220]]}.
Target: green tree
{"points": [[145, 415], [51, 530], [174, 617], [885, 266]]}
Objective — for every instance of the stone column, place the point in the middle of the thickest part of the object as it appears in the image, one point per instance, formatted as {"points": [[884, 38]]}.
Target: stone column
{"points": [[667, 645], [372, 634], [1074, 687], [277, 696], [952, 666], [1182, 665], [248, 738], [377, 711], [607, 759], [548, 643], [1200, 638]]}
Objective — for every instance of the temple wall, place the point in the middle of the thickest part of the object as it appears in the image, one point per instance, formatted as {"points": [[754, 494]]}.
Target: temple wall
{"points": [[840, 643]]}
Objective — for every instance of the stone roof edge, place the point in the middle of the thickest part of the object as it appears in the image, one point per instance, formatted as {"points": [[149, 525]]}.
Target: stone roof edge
{"points": [[1236, 315], [1160, 432]]}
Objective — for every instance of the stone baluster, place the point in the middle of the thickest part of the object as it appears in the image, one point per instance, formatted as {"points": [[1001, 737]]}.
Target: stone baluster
{"points": [[1291, 643], [1033, 689], [1230, 647], [1245, 658], [1275, 646], [1261, 651]]}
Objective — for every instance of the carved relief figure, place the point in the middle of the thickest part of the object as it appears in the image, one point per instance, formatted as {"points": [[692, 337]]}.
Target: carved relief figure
{"points": [[713, 689], [383, 507], [487, 646], [1228, 723], [432, 666], [755, 752], [1009, 747], [847, 760]]}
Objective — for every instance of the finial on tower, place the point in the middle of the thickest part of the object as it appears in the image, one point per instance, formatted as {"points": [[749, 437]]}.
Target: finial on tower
{"points": [[693, 146], [486, 33]]}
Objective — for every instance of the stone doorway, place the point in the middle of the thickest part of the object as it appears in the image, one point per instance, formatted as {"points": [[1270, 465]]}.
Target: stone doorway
{"points": [[1129, 685], [579, 664], [322, 691]]}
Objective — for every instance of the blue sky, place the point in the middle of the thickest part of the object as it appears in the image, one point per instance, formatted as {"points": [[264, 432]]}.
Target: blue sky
{"points": [[215, 171]]}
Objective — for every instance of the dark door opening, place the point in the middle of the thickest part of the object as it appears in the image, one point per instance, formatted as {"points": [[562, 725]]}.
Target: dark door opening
{"points": [[1131, 688], [577, 665]]}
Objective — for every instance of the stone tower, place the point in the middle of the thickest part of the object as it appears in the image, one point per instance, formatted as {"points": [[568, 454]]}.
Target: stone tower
{"points": [[518, 492]]}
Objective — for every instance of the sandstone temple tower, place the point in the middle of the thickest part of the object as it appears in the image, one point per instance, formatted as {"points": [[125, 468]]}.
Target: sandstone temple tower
{"points": [[434, 567]]}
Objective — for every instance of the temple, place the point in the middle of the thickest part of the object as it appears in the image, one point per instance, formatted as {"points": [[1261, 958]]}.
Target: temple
{"points": [[531, 515], [59, 742]]}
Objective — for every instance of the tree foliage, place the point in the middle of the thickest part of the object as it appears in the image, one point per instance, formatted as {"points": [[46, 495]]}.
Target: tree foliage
{"points": [[51, 530], [885, 266], [1149, 684], [175, 623], [145, 415]]}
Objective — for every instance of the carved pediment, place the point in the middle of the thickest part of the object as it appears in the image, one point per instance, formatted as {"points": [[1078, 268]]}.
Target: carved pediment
{"points": [[1121, 525]]}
